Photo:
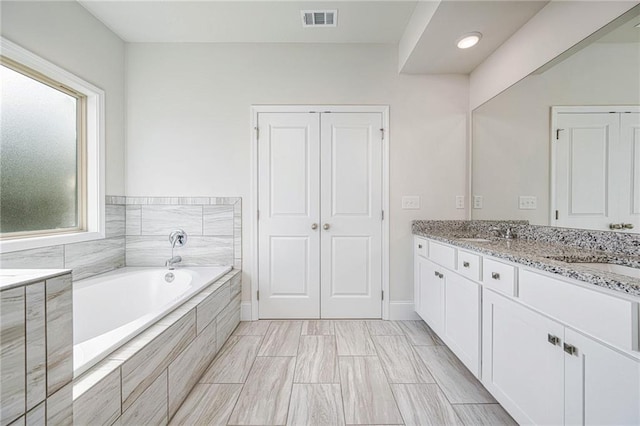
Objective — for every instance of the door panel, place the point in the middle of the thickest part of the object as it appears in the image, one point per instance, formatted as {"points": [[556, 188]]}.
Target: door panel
{"points": [[584, 194], [602, 386], [520, 367], [351, 207], [630, 167], [289, 203]]}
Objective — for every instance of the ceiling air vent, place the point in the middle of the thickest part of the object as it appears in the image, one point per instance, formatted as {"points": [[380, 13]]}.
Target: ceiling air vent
{"points": [[319, 18]]}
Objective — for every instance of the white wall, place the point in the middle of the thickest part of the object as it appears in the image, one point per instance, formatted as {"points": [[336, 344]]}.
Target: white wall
{"points": [[553, 30], [188, 124], [67, 35], [511, 147]]}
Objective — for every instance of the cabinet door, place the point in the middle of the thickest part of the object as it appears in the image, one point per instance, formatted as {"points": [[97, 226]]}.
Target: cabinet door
{"points": [[521, 368], [432, 295], [462, 320], [602, 386]]}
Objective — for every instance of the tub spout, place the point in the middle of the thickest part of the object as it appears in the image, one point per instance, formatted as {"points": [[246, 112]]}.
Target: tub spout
{"points": [[173, 261]]}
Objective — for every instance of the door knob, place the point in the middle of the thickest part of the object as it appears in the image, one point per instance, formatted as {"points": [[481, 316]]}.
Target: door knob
{"points": [[326, 226], [314, 226]]}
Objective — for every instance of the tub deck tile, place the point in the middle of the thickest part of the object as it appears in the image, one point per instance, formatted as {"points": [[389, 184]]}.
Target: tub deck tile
{"points": [[151, 406], [59, 301], [208, 309], [36, 345], [12, 354], [187, 368], [139, 371], [99, 403], [234, 361]]}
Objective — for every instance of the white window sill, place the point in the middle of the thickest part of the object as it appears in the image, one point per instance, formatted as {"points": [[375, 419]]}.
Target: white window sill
{"points": [[18, 244]]}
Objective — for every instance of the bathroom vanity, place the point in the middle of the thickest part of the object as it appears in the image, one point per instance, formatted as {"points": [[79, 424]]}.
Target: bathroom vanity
{"points": [[551, 329]]}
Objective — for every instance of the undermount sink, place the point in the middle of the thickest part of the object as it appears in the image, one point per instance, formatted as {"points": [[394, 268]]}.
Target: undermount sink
{"points": [[616, 269], [475, 240]]}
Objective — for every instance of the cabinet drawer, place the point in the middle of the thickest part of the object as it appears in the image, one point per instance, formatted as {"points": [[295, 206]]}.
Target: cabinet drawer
{"points": [[420, 246], [600, 315], [442, 255], [499, 276], [469, 265]]}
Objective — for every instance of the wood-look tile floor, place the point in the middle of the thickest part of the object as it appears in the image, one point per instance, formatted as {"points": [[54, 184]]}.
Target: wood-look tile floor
{"points": [[338, 373]]}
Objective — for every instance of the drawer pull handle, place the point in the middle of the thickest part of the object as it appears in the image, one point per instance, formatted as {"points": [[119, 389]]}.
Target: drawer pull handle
{"points": [[419, 246], [570, 349], [465, 264], [495, 275], [554, 340]]}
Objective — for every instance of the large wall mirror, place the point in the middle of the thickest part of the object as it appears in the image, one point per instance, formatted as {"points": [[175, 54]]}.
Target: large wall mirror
{"points": [[562, 146]]}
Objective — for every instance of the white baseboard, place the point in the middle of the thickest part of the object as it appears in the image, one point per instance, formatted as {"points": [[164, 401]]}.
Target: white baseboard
{"points": [[245, 311], [402, 310]]}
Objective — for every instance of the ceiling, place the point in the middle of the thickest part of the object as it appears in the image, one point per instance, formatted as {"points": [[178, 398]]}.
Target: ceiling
{"points": [[251, 21], [436, 51]]}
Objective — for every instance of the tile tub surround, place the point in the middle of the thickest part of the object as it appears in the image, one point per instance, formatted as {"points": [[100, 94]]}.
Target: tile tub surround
{"points": [[36, 341], [86, 259], [534, 244], [146, 380], [137, 234], [213, 226]]}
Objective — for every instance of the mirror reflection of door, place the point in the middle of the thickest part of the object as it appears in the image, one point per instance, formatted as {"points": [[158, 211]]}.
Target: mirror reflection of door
{"points": [[596, 179]]}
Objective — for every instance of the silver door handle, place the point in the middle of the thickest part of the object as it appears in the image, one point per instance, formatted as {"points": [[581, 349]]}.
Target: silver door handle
{"points": [[314, 226], [326, 226]]}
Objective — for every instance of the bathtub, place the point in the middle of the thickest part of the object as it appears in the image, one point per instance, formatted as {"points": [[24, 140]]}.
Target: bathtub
{"points": [[111, 308]]}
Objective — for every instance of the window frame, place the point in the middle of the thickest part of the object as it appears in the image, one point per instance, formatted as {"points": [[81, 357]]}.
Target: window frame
{"points": [[91, 151]]}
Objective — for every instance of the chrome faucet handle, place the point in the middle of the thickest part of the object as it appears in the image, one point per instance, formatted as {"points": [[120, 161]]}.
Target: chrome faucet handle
{"points": [[178, 238]]}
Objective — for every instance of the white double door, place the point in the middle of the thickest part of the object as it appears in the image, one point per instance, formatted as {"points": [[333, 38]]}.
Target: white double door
{"points": [[320, 215]]}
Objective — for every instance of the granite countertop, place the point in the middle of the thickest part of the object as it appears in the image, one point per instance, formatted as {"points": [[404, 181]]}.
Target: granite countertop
{"points": [[10, 278], [546, 256]]}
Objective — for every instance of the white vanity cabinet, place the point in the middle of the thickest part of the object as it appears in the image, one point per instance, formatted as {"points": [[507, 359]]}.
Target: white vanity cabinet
{"points": [[545, 373], [448, 301], [552, 350]]}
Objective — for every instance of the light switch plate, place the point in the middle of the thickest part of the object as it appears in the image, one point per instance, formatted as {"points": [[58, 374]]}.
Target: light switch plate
{"points": [[411, 202], [477, 201], [460, 202], [528, 202]]}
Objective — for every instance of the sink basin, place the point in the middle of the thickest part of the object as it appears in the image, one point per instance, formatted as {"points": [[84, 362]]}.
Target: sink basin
{"points": [[475, 240], [616, 269]]}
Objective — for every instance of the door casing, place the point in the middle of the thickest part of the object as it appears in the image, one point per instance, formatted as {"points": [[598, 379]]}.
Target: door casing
{"points": [[253, 208]]}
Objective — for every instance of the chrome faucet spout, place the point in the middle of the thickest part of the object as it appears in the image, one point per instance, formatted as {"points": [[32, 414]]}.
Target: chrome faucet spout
{"points": [[171, 262]]}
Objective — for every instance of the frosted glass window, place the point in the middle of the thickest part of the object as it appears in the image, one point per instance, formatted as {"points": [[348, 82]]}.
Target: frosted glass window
{"points": [[40, 171]]}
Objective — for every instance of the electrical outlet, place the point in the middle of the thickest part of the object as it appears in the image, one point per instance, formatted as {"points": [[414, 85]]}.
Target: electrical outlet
{"points": [[477, 201], [528, 202], [460, 202], [410, 202]]}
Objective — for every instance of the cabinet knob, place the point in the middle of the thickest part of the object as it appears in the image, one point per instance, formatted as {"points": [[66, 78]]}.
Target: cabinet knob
{"points": [[326, 226], [419, 245], [314, 226], [554, 340], [495, 275], [438, 274], [570, 349], [465, 264], [627, 225]]}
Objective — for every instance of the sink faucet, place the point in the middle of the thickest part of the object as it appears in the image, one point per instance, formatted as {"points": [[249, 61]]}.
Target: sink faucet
{"points": [[507, 233], [173, 261]]}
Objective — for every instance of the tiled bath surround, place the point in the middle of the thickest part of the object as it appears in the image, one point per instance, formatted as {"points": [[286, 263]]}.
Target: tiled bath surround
{"points": [[213, 226], [36, 350], [147, 379], [137, 234]]}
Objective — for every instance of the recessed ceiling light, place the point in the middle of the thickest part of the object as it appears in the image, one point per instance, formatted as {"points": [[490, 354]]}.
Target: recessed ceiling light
{"points": [[469, 40]]}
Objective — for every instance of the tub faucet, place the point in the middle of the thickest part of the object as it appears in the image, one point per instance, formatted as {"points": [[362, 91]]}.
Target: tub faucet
{"points": [[173, 261]]}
